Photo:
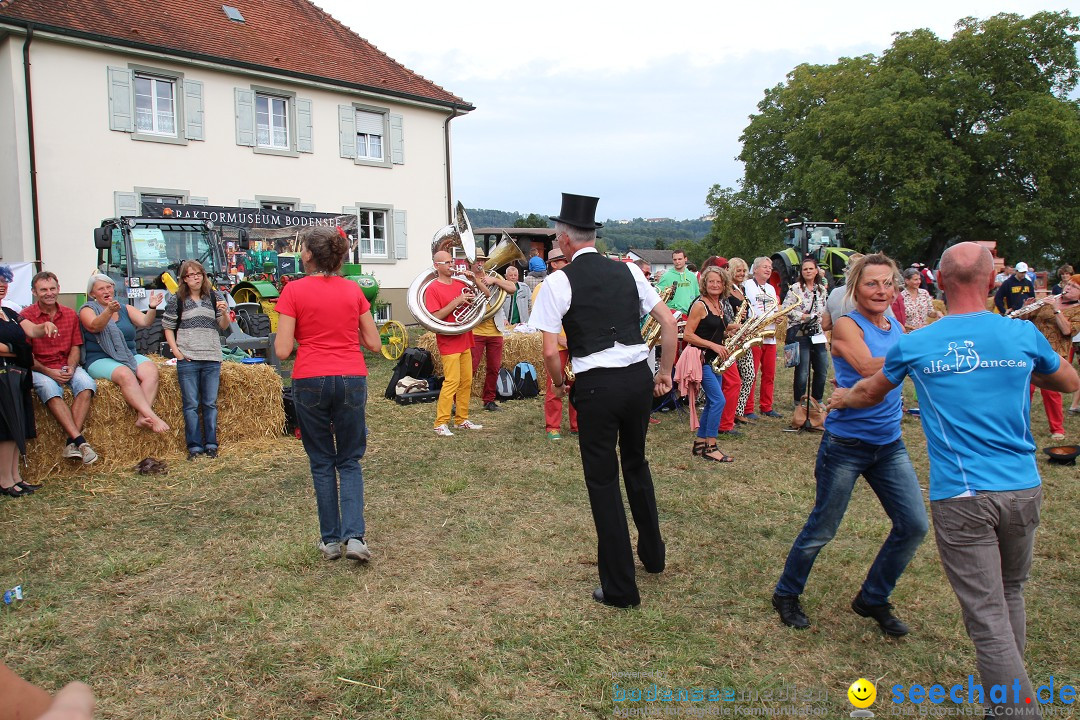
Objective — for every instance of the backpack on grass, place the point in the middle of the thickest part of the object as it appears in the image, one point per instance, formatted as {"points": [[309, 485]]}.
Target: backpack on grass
{"points": [[505, 387], [525, 380]]}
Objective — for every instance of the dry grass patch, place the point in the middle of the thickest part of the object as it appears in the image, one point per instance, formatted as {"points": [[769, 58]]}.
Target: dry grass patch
{"points": [[200, 594]]}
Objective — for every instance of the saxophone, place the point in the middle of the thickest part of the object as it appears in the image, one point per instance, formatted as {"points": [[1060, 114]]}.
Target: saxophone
{"points": [[753, 333]]}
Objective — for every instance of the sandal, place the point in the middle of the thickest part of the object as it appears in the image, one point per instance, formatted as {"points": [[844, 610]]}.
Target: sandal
{"points": [[698, 448], [27, 487], [705, 455], [14, 491]]}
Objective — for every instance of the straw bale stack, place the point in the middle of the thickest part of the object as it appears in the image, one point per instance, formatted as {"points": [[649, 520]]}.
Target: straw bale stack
{"points": [[517, 347], [249, 408]]}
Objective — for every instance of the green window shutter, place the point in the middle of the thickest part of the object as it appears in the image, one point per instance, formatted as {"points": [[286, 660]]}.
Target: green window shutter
{"points": [[346, 131], [194, 200], [401, 238], [193, 110], [245, 117], [304, 138], [126, 204], [121, 115], [248, 204], [306, 207], [397, 139]]}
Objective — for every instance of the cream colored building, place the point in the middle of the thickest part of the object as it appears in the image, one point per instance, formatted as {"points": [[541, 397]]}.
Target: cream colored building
{"points": [[180, 102]]}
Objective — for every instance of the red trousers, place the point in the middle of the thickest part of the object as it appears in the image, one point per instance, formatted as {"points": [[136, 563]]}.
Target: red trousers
{"points": [[1055, 411], [553, 405], [730, 383], [765, 371], [492, 346]]}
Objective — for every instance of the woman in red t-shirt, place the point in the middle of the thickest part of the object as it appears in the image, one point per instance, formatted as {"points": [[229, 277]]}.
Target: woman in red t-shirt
{"points": [[330, 319]]}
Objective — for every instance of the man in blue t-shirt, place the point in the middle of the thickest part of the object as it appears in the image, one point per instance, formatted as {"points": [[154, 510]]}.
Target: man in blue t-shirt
{"points": [[985, 491]]}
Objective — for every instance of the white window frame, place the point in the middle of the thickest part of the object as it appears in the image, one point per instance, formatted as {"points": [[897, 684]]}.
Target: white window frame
{"points": [[271, 129], [155, 100], [382, 313], [369, 252], [363, 139]]}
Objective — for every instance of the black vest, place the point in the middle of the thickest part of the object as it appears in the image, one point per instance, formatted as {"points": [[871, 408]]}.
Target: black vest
{"points": [[603, 305]]}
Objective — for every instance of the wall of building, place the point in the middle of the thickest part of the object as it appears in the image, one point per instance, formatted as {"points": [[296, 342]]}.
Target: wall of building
{"points": [[16, 218], [81, 162]]}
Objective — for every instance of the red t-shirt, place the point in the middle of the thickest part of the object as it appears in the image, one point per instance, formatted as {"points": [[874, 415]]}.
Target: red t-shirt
{"points": [[327, 311], [437, 296], [53, 352]]}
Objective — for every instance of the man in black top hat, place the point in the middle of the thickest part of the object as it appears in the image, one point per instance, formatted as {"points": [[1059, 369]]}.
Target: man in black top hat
{"points": [[599, 302]]}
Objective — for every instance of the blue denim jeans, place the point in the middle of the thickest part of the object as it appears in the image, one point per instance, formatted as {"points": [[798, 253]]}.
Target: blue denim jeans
{"points": [[330, 411], [888, 470], [199, 381], [714, 403]]}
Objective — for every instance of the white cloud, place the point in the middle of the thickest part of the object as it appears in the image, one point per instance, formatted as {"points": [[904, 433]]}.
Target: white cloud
{"points": [[641, 103]]}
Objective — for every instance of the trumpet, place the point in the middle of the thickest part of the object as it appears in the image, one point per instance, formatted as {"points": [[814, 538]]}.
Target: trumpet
{"points": [[753, 333], [1022, 312]]}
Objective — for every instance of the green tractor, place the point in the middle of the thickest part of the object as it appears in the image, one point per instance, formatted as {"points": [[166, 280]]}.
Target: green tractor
{"points": [[823, 241]]}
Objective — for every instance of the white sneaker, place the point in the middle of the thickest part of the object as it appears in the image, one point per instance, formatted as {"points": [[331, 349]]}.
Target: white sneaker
{"points": [[87, 454], [71, 452], [444, 431], [331, 550], [1057, 436], [468, 425], [355, 549]]}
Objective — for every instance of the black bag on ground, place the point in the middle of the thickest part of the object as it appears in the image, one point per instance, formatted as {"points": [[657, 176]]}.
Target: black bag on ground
{"points": [[290, 411], [505, 387], [525, 380], [429, 395], [414, 362]]}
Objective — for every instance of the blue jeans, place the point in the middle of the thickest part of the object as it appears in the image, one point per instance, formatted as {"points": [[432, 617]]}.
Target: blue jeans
{"points": [[888, 470], [714, 403], [330, 411], [199, 380]]}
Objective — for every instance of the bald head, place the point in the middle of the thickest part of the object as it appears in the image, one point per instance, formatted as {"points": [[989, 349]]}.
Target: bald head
{"points": [[968, 264]]}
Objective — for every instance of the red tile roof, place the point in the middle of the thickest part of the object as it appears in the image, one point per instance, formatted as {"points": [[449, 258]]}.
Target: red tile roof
{"points": [[292, 36]]}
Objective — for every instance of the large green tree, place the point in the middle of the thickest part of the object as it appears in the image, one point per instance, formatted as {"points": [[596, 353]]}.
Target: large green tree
{"points": [[971, 138]]}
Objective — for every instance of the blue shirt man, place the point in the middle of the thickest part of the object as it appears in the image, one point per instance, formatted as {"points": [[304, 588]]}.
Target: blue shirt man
{"points": [[985, 491]]}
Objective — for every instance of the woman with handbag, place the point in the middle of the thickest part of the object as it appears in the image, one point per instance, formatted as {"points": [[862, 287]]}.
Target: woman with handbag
{"points": [[709, 316], [804, 328], [17, 418]]}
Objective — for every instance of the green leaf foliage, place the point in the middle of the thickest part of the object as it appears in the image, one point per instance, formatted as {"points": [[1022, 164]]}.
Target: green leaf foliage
{"points": [[934, 141]]}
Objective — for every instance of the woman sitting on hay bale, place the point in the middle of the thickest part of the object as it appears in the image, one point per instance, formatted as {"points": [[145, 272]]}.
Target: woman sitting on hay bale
{"points": [[330, 318], [109, 337]]}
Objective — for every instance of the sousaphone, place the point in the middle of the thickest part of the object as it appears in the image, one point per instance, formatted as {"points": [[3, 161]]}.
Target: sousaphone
{"points": [[458, 239]]}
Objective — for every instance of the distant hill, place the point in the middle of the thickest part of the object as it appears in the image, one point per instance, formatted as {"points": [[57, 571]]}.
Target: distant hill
{"points": [[619, 235]]}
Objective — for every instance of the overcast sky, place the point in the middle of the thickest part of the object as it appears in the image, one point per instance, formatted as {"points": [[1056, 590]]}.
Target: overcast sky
{"points": [[641, 104]]}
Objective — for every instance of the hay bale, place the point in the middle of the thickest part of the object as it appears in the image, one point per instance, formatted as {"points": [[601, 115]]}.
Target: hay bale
{"points": [[517, 347], [249, 407]]}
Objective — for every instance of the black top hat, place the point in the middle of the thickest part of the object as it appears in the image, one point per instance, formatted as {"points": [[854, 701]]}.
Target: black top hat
{"points": [[579, 211]]}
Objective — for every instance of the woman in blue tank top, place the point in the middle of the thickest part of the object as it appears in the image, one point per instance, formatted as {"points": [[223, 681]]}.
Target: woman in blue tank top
{"points": [[863, 442]]}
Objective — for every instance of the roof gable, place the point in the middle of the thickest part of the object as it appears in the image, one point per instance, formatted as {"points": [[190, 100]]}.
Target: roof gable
{"points": [[291, 36], [653, 257]]}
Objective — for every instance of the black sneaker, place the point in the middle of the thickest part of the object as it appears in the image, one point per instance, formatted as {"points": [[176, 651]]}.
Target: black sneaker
{"points": [[211, 453], [772, 414], [491, 406], [890, 624], [791, 612]]}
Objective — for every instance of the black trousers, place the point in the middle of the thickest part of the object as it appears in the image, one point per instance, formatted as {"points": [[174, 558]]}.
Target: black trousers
{"points": [[613, 406]]}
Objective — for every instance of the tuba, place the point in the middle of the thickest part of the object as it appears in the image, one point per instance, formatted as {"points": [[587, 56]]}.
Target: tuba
{"points": [[454, 237], [505, 253], [650, 331]]}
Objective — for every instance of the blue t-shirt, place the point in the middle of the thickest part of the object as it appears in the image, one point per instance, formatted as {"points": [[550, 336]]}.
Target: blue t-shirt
{"points": [[536, 264], [972, 372], [879, 424]]}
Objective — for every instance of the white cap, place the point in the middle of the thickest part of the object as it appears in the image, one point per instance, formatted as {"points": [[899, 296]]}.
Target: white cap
{"points": [[1021, 267]]}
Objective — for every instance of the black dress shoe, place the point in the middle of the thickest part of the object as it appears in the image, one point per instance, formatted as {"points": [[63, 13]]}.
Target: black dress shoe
{"points": [[598, 596], [491, 406], [890, 624], [791, 612]]}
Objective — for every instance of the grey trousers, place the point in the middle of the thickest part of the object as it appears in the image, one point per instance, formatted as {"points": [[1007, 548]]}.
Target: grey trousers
{"points": [[985, 543]]}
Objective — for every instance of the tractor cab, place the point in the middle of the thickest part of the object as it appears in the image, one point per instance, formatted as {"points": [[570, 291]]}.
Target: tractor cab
{"points": [[823, 241]]}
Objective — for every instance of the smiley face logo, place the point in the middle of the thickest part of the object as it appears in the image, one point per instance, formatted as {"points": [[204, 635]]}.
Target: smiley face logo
{"points": [[862, 693]]}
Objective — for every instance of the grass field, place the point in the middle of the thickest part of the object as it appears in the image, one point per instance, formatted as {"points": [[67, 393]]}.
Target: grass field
{"points": [[200, 593]]}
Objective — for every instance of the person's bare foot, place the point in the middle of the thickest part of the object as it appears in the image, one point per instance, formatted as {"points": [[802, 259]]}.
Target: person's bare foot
{"points": [[158, 425], [143, 422]]}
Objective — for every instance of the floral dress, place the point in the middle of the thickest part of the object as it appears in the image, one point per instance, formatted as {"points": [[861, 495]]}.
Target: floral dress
{"points": [[918, 308]]}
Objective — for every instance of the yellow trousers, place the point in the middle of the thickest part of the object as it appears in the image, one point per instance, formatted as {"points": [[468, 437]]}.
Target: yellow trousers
{"points": [[457, 387]]}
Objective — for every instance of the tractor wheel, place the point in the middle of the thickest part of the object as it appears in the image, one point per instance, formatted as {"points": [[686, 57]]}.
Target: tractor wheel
{"points": [[254, 324], [148, 340], [394, 339]]}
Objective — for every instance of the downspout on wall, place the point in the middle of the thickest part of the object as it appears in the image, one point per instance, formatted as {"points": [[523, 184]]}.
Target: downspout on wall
{"points": [[446, 144], [30, 140]]}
